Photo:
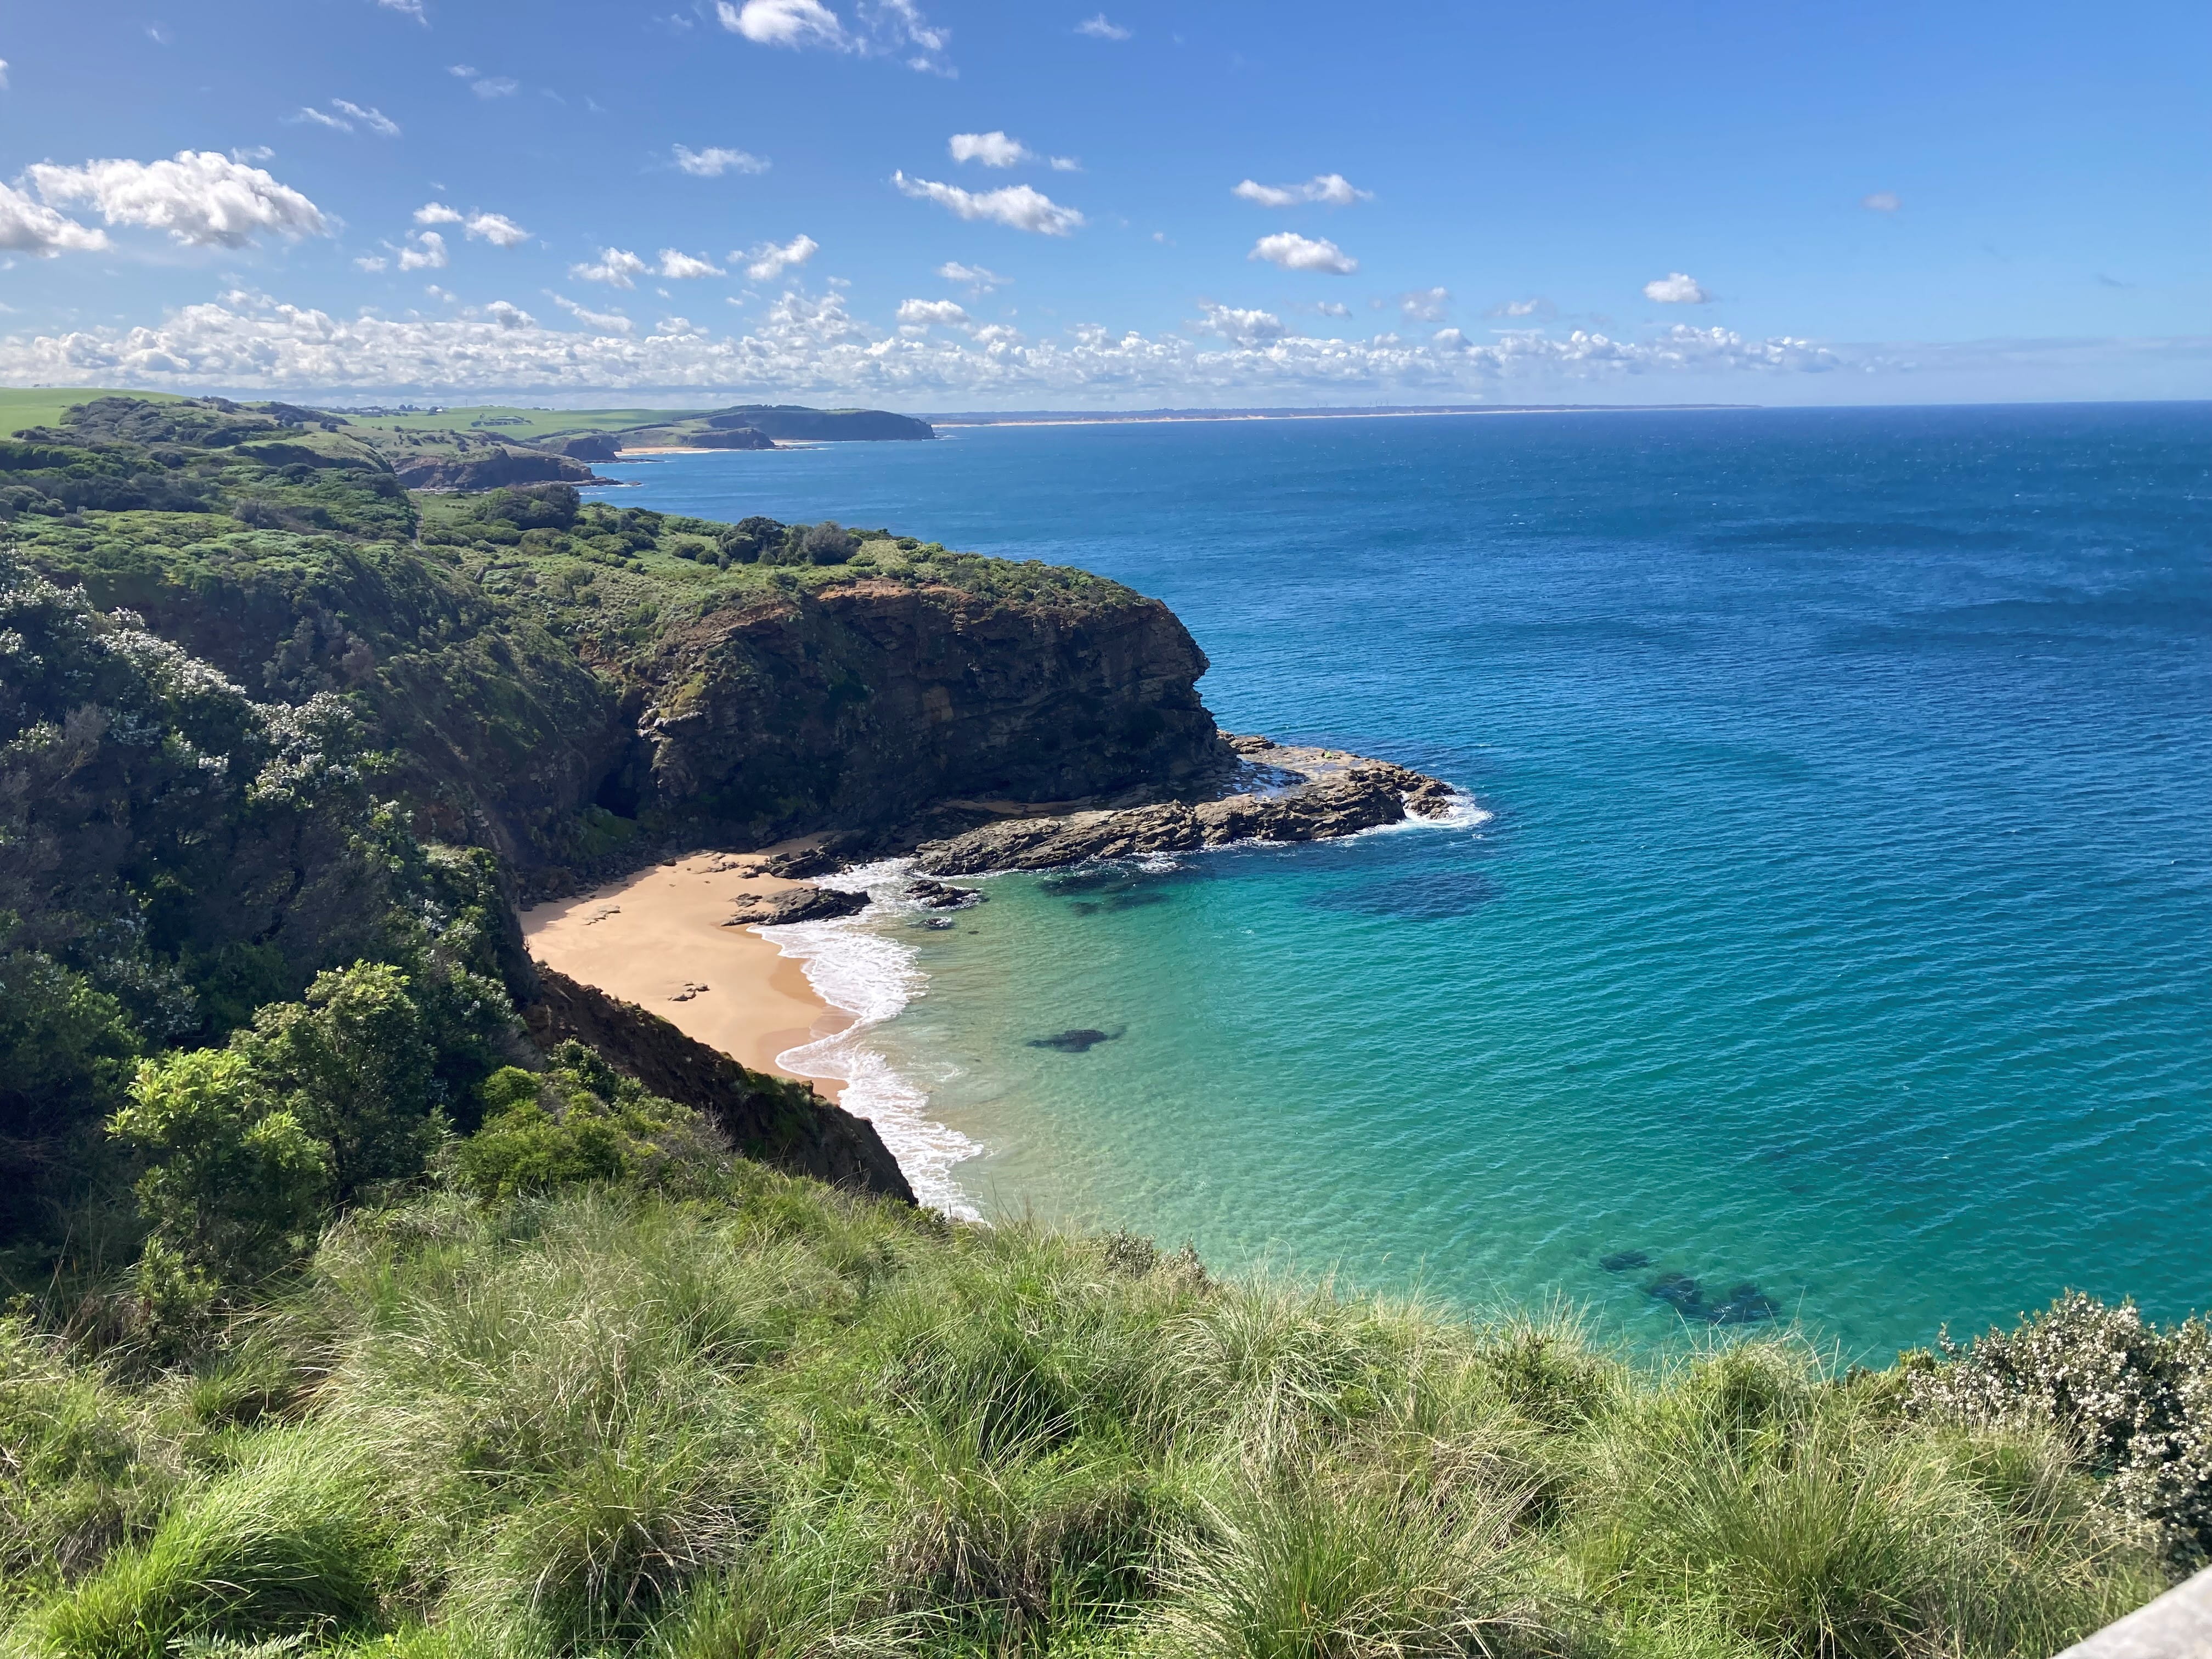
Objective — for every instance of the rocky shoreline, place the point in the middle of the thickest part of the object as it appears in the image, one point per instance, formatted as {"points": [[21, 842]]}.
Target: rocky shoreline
{"points": [[1292, 793]]}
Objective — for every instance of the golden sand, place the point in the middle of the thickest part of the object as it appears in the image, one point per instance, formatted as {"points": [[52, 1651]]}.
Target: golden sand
{"points": [[649, 938]]}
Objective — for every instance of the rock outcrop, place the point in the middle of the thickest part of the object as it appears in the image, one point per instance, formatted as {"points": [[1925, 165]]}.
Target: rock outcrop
{"points": [[862, 705], [1312, 795], [771, 1119], [739, 437], [802, 903]]}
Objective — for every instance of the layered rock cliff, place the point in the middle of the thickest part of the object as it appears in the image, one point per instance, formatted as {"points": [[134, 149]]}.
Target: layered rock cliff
{"points": [[864, 703]]}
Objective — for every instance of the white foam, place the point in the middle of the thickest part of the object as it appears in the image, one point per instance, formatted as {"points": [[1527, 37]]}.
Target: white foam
{"points": [[1462, 814], [855, 968]]}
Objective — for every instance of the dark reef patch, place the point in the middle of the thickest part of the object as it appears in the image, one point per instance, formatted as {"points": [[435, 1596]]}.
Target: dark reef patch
{"points": [[1744, 1304], [1622, 1261], [1076, 1041]]}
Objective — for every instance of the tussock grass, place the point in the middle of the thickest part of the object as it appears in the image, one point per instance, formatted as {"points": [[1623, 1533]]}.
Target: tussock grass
{"points": [[794, 1424]]}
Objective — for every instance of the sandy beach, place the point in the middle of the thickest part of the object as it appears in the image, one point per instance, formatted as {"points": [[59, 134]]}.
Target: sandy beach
{"points": [[646, 937]]}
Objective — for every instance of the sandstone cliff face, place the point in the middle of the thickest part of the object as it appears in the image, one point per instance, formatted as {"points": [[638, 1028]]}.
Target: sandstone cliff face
{"points": [[862, 704]]}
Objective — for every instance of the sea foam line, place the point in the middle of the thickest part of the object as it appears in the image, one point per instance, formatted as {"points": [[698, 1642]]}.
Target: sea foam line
{"points": [[858, 971]]}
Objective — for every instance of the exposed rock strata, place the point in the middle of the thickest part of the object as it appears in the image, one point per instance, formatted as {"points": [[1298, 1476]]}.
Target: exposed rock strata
{"points": [[866, 704], [492, 470], [770, 1119], [1313, 795]]}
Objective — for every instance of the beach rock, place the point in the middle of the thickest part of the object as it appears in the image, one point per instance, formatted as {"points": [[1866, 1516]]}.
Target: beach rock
{"points": [[807, 903], [938, 896], [771, 1119], [806, 861], [1341, 798]]}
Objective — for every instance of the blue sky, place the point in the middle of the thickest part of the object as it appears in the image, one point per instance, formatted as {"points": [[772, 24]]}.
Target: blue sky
{"points": [[932, 204]]}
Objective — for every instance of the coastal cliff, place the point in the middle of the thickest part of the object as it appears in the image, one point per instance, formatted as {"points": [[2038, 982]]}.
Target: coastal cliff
{"points": [[861, 704]]}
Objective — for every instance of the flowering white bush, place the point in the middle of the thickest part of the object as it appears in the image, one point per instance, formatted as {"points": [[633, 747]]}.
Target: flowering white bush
{"points": [[2133, 1399]]}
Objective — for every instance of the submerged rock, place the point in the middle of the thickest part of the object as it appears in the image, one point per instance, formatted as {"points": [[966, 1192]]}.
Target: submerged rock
{"points": [[1679, 1292], [1746, 1304], [1622, 1261], [806, 904], [1073, 1042]]}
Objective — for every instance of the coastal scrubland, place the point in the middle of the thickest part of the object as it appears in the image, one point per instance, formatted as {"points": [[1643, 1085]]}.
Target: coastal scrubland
{"points": [[356, 1306]]}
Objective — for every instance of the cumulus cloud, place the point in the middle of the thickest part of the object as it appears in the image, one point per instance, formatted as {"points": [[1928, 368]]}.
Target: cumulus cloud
{"points": [[375, 119], [1882, 201], [1676, 289], [1017, 206], [252, 153], [28, 227], [714, 160], [617, 267], [203, 199], [978, 279], [1329, 189], [607, 322], [1332, 309], [495, 227], [992, 149], [810, 346], [406, 8], [371, 261], [1244, 327], [793, 23], [1531, 307], [678, 266], [769, 262], [427, 252], [1424, 305], [1099, 29], [1292, 252], [437, 213], [922, 313]]}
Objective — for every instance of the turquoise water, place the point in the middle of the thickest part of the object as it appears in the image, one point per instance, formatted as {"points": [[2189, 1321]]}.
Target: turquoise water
{"points": [[1842, 924]]}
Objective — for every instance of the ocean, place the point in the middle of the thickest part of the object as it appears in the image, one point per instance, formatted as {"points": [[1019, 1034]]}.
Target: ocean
{"points": [[1829, 922]]}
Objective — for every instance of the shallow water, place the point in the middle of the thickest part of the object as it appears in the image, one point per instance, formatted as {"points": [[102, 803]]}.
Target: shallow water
{"points": [[1839, 928]]}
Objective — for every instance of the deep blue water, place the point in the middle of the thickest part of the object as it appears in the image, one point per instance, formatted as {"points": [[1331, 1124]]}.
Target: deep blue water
{"points": [[1843, 926]]}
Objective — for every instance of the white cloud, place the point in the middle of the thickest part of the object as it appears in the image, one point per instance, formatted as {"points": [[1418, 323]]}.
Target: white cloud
{"points": [[1531, 307], [201, 198], [889, 27], [1292, 252], [26, 227], [375, 119], [1244, 327], [1065, 164], [1332, 309], [496, 228], [793, 23], [466, 72], [1099, 29], [992, 149], [496, 86], [978, 279], [306, 112], [770, 262], [922, 313], [1675, 288], [427, 253], [808, 346], [618, 268], [678, 266], [1016, 205], [1882, 201], [607, 322], [406, 8], [3, 74], [714, 160], [437, 213], [1329, 189], [371, 261], [1424, 305]]}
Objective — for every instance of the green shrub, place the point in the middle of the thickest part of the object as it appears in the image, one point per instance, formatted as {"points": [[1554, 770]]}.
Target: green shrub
{"points": [[580, 1121]]}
